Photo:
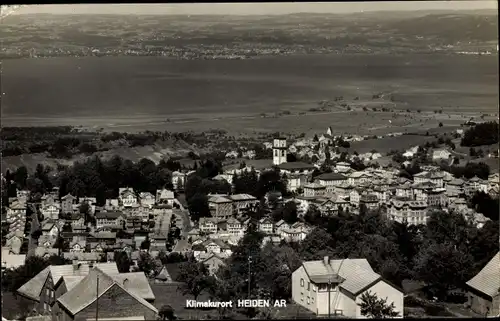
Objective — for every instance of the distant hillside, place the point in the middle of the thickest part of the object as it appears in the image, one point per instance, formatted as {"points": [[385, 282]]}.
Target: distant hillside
{"points": [[200, 36], [154, 152]]}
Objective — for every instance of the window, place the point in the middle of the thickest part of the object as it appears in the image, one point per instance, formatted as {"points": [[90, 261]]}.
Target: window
{"points": [[47, 291], [302, 282], [45, 306], [312, 299], [308, 286], [308, 300], [314, 288]]}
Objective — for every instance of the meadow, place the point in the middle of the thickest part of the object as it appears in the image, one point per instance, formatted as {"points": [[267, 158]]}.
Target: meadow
{"points": [[155, 93]]}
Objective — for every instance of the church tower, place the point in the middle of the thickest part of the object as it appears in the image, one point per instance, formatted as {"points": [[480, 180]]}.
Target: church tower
{"points": [[279, 151]]}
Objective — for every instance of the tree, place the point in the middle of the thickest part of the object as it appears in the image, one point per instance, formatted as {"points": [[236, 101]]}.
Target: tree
{"points": [[15, 278], [316, 245], [123, 261], [375, 308], [290, 215], [195, 278], [443, 267], [146, 244], [313, 215], [198, 206], [167, 312], [147, 264]]}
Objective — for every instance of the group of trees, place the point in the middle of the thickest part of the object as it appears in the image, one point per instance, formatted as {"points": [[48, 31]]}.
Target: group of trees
{"points": [[481, 134], [94, 177]]}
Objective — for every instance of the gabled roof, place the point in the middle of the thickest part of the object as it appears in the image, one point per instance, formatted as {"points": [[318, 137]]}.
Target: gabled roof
{"points": [[33, 287], [108, 215], [136, 282], [355, 274], [487, 280], [331, 177], [242, 197], [163, 275], [296, 165], [94, 285], [219, 199]]}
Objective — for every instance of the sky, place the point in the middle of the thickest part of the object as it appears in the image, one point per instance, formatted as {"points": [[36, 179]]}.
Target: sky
{"points": [[255, 8]]}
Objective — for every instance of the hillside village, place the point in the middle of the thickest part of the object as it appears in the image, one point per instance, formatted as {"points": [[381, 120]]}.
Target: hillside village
{"points": [[149, 226]]}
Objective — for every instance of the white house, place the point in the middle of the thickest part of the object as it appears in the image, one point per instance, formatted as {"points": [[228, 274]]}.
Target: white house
{"points": [[335, 287], [127, 197], [147, 199], [440, 154]]}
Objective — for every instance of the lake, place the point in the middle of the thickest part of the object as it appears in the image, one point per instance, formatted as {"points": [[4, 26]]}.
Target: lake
{"points": [[51, 90]]}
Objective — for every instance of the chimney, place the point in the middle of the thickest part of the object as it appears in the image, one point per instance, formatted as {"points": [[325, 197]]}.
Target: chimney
{"points": [[326, 260], [125, 283]]}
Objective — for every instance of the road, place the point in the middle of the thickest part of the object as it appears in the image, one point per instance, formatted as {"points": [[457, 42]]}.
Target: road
{"points": [[35, 225], [162, 223]]}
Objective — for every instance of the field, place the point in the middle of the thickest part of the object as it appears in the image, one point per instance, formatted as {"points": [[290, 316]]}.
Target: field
{"points": [[139, 93]]}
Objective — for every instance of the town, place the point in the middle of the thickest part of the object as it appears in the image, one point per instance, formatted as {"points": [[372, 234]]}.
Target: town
{"points": [[321, 228]]}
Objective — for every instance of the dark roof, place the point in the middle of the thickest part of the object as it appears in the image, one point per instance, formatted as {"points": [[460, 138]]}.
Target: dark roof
{"points": [[108, 215], [296, 165], [331, 177]]}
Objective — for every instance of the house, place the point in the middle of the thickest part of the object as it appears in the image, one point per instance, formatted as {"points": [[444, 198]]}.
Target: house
{"points": [[208, 225], [297, 173], [241, 202], [41, 290], [484, 289], [221, 207], [50, 228], [371, 201], [355, 196], [434, 177], [295, 233], [335, 287], [265, 225], [48, 199], [357, 178], [314, 190], [165, 196], [120, 296], [179, 180], [17, 209], [440, 154], [110, 219], [213, 263], [331, 179], [413, 212], [67, 203], [234, 227], [159, 241], [77, 245], [76, 220], [147, 199], [127, 197], [455, 186], [280, 226]]}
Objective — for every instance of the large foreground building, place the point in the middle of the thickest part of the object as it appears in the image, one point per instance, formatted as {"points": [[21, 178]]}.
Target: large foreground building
{"points": [[334, 287]]}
